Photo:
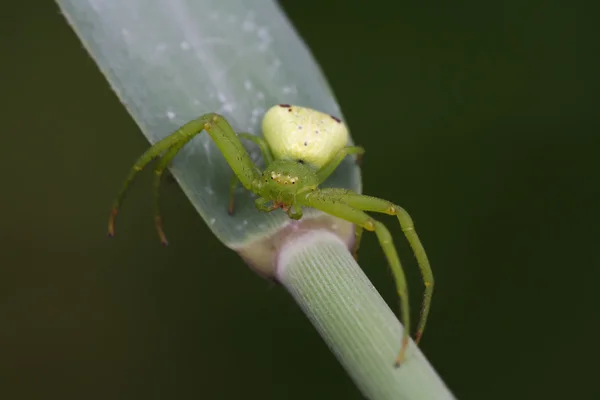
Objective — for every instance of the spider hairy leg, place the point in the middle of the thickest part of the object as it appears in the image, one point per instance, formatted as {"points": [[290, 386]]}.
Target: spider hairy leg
{"points": [[267, 156], [331, 166], [153, 152], [358, 231], [222, 134], [262, 205], [232, 185], [331, 202], [359, 158], [162, 164], [262, 145], [374, 204], [295, 212]]}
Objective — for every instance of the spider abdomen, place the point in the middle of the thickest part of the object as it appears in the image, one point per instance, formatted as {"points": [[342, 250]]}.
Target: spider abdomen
{"points": [[302, 134]]}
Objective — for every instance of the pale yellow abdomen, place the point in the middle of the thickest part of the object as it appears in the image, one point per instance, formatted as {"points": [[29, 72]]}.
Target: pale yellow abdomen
{"points": [[299, 133]]}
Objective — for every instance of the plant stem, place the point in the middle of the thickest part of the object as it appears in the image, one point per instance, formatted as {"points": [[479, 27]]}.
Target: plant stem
{"points": [[356, 323]]}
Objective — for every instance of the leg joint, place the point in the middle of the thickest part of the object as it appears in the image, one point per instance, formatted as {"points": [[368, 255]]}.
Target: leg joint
{"points": [[369, 225]]}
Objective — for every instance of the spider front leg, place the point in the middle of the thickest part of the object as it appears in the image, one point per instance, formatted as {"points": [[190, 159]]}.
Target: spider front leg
{"points": [[262, 204], [358, 231], [294, 212], [160, 167], [332, 165], [224, 137], [374, 204], [329, 201], [265, 150]]}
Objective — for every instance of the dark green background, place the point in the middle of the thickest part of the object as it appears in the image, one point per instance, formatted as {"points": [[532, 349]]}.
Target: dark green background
{"points": [[481, 118]]}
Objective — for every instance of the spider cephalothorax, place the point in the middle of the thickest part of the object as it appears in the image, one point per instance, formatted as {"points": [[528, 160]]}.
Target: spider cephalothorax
{"points": [[301, 148], [283, 180]]}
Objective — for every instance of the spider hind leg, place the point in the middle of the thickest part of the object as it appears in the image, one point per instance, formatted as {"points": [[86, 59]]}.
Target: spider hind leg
{"points": [[265, 150], [374, 204], [332, 201]]}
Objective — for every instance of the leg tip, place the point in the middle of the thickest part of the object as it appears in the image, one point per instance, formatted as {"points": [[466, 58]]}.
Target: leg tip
{"points": [[111, 222], [230, 207], [359, 159], [399, 361], [418, 337], [159, 230], [401, 355], [163, 238]]}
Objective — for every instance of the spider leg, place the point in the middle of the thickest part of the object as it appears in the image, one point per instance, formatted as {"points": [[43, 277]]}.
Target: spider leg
{"points": [[224, 137], [262, 205], [329, 201], [267, 156], [374, 204], [150, 154], [358, 231], [262, 145], [331, 166], [160, 167], [294, 212], [232, 185]]}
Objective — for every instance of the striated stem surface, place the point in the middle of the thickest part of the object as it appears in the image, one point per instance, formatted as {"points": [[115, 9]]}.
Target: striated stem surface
{"points": [[354, 320]]}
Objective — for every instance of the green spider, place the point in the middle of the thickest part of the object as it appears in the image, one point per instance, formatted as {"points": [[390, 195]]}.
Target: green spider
{"points": [[301, 148]]}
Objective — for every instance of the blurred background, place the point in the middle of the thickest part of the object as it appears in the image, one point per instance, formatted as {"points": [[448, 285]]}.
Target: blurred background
{"points": [[480, 119]]}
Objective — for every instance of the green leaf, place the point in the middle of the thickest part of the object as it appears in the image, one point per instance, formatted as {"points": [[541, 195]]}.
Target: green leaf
{"points": [[171, 61]]}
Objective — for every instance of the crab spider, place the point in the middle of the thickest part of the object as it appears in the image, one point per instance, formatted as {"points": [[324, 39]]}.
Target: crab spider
{"points": [[301, 148]]}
